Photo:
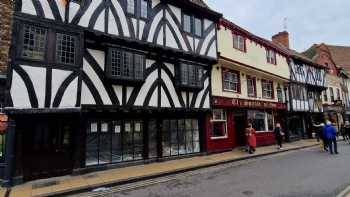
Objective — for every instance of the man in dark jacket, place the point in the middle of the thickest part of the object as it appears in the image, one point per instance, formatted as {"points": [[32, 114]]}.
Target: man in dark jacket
{"points": [[329, 134]]}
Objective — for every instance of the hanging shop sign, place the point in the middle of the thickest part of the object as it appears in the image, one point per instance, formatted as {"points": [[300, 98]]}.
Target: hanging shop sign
{"points": [[3, 122]]}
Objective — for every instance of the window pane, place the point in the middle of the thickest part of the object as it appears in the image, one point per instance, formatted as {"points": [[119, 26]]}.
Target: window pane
{"points": [[116, 62], [91, 145], [131, 6], [187, 23], [166, 137], [34, 42], [105, 144], [127, 65], [198, 26], [189, 135], [139, 64], [138, 140], [128, 151], [116, 141], [270, 121], [257, 118], [152, 139], [65, 49], [181, 136], [174, 139], [144, 8], [184, 74]]}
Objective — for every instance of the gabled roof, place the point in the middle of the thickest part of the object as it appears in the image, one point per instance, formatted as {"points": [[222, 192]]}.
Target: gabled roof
{"points": [[200, 3], [264, 42]]}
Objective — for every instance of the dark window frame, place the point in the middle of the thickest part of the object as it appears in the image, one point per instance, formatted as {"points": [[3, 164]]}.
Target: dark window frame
{"points": [[51, 41], [262, 88], [268, 56], [120, 79], [239, 83], [236, 35], [179, 76], [192, 25]]}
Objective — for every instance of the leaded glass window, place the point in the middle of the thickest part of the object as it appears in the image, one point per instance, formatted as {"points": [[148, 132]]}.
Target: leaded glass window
{"points": [[65, 48], [34, 42]]}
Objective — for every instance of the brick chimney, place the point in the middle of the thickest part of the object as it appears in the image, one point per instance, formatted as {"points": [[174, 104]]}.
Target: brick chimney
{"points": [[281, 38], [5, 33]]}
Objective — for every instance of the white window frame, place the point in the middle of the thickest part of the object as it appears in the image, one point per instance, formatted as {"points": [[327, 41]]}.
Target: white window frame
{"points": [[223, 119], [235, 82], [238, 42]]}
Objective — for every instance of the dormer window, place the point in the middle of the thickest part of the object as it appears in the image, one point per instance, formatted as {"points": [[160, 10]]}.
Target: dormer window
{"points": [[238, 42], [271, 56]]}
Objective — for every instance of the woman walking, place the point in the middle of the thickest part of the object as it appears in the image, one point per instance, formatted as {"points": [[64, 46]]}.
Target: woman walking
{"points": [[251, 138], [279, 135]]}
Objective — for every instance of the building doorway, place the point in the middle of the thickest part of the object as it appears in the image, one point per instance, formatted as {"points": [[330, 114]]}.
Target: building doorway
{"points": [[240, 123], [47, 146]]}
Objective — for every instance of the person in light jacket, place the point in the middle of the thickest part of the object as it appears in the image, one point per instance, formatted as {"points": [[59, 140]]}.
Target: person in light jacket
{"points": [[279, 135], [251, 138]]}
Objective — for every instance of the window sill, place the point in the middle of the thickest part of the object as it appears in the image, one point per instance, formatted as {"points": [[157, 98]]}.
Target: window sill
{"points": [[233, 91], [219, 138], [132, 82], [241, 50]]}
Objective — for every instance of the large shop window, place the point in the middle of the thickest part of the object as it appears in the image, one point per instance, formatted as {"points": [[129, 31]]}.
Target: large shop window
{"points": [[251, 86], [261, 120], [125, 65], [191, 76], [36, 41], [231, 81], [114, 141], [180, 136], [267, 89], [219, 123]]}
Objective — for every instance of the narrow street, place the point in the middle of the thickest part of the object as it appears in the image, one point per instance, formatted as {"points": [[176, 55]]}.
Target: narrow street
{"points": [[307, 172]]}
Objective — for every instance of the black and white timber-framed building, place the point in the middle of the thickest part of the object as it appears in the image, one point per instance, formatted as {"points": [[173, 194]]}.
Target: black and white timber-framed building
{"points": [[98, 83], [307, 82]]}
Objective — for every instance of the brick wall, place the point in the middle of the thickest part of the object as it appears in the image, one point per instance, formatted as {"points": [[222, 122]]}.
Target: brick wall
{"points": [[6, 7]]}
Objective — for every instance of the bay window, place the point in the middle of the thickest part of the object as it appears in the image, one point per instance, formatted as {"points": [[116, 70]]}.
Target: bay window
{"points": [[219, 123], [231, 81], [267, 89]]}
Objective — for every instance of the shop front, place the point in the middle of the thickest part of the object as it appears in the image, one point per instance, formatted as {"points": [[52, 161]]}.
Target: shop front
{"points": [[226, 128], [131, 138]]}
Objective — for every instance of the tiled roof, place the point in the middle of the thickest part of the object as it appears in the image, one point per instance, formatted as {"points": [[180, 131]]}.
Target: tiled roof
{"points": [[340, 55], [301, 56]]}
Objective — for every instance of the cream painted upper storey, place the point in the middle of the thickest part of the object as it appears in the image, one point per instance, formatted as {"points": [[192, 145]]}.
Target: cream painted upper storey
{"points": [[255, 55]]}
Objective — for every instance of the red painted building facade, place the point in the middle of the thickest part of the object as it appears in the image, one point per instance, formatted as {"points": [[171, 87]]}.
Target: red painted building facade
{"points": [[249, 85]]}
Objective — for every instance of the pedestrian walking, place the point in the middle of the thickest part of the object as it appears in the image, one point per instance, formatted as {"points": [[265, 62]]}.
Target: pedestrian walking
{"points": [[251, 138], [323, 141], [279, 135], [346, 131], [330, 134]]}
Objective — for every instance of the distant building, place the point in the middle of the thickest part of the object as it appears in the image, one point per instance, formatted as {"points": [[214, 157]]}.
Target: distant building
{"points": [[307, 82], [336, 59]]}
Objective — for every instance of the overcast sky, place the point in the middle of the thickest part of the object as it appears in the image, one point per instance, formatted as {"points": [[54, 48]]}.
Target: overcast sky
{"points": [[308, 21]]}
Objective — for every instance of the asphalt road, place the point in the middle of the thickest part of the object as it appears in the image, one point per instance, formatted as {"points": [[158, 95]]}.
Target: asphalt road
{"points": [[307, 172]]}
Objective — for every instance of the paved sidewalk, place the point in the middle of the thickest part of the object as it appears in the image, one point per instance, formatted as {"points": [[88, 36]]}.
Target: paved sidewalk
{"points": [[68, 184]]}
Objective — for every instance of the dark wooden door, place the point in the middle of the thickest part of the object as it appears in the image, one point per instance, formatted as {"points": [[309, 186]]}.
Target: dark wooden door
{"points": [[240, 123], [47, 148]]}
